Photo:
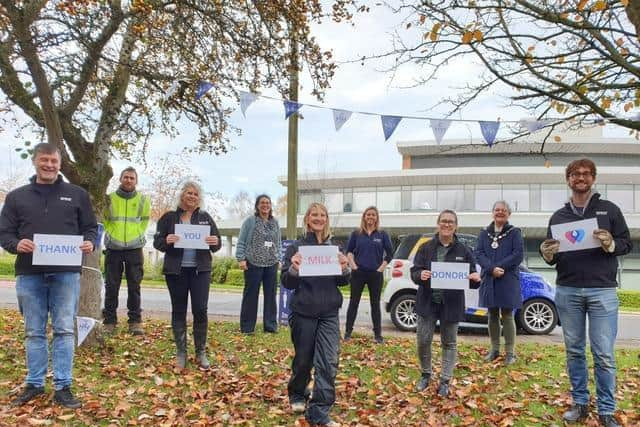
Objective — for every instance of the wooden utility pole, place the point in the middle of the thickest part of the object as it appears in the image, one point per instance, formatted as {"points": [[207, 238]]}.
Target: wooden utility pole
{"points": [[292, 168]]}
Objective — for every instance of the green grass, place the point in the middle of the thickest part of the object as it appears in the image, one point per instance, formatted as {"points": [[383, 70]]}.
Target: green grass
{"points": [[130, 380]]}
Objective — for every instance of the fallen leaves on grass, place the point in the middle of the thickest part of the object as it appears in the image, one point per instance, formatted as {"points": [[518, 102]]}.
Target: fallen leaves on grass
{"points": [[132, 381]]}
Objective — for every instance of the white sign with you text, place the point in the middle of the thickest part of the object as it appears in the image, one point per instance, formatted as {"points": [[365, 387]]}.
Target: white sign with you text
{"points": [[57, 249], [321, 260], [192, 236]]}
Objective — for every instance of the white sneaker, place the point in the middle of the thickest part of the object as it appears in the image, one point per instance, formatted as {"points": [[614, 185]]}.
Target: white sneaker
{"points": [[298, 407], [333, 424]]}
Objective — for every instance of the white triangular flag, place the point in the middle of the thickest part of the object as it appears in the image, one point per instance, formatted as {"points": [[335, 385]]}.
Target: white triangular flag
{"points": [[246, 99], [172, 90], [84, 325], [340, 117], [440, 127]]}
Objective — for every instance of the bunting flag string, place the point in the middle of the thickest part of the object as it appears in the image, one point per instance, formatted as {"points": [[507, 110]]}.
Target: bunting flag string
{"points": [[439, 126]]}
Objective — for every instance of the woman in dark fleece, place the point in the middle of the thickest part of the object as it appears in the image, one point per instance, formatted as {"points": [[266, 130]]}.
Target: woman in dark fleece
{"points": [[315, 327]]}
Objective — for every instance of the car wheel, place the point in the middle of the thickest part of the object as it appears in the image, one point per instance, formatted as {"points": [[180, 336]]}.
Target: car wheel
{"points": [[538, 316], [403, 312]]}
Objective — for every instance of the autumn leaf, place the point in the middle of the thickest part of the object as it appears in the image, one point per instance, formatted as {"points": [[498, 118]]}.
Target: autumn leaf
{"points": [[467, 36]]}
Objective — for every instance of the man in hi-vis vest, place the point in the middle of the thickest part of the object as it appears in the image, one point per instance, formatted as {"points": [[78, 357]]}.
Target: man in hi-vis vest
{"points": [[125, 223]]}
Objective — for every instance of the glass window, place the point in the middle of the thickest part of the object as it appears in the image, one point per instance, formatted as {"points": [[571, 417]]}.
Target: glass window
{"points": [[389, 201], [334, 202], [553, 197], [486, 196], [423, 198], [362, 200], [450, 197], [305, 199], [621, 195], [517, 196]]}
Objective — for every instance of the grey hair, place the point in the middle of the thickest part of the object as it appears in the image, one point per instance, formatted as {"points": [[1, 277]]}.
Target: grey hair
{"points": [[502, 202], [186, 185]]}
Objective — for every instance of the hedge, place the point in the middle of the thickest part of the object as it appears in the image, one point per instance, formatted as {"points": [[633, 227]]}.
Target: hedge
{"points": [[235, 278], [629, 298]]}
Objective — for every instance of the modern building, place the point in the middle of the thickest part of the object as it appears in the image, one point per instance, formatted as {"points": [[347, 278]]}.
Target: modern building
{"points": [[469, 176]]}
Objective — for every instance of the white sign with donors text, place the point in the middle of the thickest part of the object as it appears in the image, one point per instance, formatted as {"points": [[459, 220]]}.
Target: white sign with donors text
{"points": [[321, 260], [192, 236], [57, 249], [450, 275]]}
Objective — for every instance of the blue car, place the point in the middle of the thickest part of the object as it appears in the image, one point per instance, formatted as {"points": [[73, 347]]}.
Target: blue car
{"points": [[538, 315]]}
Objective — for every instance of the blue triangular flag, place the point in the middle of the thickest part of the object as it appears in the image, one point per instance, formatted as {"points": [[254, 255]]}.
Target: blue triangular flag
{"points": [[389, 125], [533, 125], [439, 127], [340, 117], [246, 99], [203, 87], [489, 131], [291, 107]]}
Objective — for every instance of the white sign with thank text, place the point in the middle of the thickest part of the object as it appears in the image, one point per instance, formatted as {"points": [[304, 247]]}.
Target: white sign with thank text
{"points": [[321, 260], [57, 249], [450, 275], [192, 236]]}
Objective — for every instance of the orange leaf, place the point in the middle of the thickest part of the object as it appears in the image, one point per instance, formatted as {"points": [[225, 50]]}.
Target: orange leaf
{"points": [[467, 37], [582, 4], [477, 34]]}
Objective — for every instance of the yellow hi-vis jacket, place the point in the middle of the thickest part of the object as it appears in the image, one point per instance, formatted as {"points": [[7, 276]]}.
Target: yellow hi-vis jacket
{"points": [[126, 221]]}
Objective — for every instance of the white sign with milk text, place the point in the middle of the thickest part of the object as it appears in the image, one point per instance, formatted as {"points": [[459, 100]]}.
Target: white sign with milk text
{"points": [[450, 275], [192, 236], [57, 249], [321, 260]]}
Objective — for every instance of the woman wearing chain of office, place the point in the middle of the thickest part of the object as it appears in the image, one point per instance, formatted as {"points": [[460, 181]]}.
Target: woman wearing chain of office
{"points": [[499, 252]]}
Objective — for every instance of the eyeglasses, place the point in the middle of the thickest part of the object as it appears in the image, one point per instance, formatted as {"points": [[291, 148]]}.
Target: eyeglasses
{"points": [[447, 221], [575, 175]]}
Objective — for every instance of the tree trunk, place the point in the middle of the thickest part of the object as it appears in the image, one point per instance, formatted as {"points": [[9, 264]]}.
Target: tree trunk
{"points": [[633, 13], [90, 303]]}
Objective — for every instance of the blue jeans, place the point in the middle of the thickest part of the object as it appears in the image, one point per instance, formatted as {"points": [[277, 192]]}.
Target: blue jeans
{"points": [[39, 294], [600, 306]]}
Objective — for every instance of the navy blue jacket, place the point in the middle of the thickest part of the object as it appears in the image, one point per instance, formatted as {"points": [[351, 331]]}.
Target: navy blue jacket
{"points": [[453, 307], [314, 296], [369, 250], [502, 292], [173, 256], [591, 268], [65, 209]]}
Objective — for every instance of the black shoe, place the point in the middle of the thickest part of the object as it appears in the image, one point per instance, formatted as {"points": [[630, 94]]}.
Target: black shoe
{"points": [[576, 413], [347, 336], [493, 355], [423, 383], [379, 339], [609, 421], [510, 359], [30, 392], [64, 397], [443, 389]]}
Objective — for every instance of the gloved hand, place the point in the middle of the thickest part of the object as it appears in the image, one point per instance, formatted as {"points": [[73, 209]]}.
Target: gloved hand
{"points": [[606, 239], [549, 248]]}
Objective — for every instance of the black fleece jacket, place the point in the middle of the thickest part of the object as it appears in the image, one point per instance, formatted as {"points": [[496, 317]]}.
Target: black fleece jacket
{"points": [[591, 268], [316, 296], [60, 208], [173, 256]]}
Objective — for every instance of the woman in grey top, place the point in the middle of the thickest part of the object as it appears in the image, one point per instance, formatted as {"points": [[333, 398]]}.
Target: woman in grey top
{"points": [[258, 252]]}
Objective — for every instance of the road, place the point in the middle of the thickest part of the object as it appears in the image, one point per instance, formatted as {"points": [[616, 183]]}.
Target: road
{"points": [[226, 306]]}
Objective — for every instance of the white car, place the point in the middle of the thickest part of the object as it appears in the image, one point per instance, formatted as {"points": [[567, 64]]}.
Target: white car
{"points": [[537, 316]]}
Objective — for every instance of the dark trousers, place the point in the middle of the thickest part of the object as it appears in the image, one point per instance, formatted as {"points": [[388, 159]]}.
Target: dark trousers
{"points": [[249, 308], [317, 345], [189, 281], [130, 262], [373, 280]]}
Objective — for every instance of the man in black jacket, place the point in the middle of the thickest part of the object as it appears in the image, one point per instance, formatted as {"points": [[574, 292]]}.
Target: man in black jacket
{"points": [[47, 205], [586, 287]]}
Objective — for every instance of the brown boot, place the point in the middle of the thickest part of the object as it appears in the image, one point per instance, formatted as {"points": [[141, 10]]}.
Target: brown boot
{"points": [[136, 329]]}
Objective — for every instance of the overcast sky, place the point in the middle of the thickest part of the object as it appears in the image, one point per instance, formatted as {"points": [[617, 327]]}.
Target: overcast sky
{"points": [[259, 155]]}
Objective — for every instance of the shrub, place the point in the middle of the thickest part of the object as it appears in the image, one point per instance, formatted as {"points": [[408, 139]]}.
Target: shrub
{"points": [[221, 265], [235, 277], [629, 299], [7, 267]]}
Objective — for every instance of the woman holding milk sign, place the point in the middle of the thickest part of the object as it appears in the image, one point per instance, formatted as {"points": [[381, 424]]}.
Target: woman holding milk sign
{"points": [[443, 267], [315, 328]]}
